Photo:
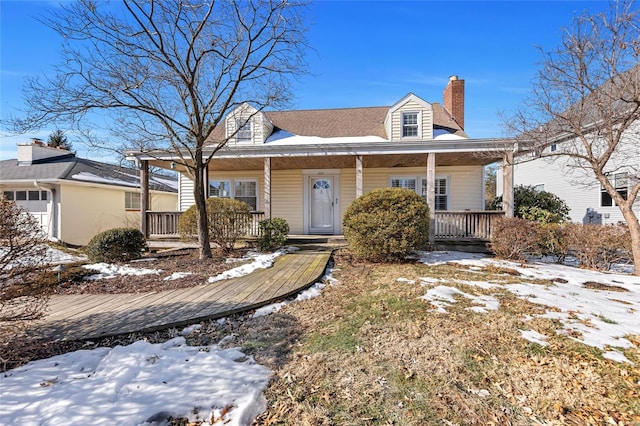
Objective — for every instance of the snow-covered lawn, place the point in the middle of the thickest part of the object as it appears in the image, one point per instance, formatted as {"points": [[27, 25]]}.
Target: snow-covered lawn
{"points": [[600, 316], [142, 383]]}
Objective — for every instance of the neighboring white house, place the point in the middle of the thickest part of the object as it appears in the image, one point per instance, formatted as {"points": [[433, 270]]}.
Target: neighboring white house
{"points": [[587, 200], [74, 198], [307, 166]]}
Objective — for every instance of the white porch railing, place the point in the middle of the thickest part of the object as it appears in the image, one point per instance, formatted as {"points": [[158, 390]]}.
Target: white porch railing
{"points": [[474, 225]]}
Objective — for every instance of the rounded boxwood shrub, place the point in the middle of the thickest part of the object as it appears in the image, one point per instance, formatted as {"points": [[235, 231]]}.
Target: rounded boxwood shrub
{"points": [[116, 245], [386, 224], [273, 233], [228, 219]]}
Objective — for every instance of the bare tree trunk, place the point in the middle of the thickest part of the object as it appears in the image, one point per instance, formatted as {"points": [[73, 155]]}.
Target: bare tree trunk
{"points": [[204, 243], [634, 230]]}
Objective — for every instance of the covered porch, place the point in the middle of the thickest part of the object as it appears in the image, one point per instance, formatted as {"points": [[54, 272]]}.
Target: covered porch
{"points": [[357, 168]]}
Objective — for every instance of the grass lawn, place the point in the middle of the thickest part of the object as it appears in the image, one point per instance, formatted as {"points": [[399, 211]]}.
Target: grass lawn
{"points": [[370, 350]]}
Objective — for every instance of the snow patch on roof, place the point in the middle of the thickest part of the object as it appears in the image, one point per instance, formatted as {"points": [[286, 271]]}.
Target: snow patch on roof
{"points": [[282, 137], [90, 177]]}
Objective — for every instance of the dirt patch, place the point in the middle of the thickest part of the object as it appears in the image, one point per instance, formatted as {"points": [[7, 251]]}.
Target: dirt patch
{"points": [[600, 286]]}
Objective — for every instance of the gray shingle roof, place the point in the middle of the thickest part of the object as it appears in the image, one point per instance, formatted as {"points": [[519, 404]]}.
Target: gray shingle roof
{"points": [[76, 169]]}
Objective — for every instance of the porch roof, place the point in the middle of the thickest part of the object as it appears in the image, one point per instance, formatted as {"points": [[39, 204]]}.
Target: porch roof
{"points": [[376, 153]]}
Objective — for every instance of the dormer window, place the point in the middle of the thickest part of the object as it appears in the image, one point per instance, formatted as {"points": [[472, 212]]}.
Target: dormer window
{"points": [[244, 131], [409, 124]]}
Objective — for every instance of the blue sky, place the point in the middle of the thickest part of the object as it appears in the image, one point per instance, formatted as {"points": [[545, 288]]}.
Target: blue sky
{"points": [[364, 54]]}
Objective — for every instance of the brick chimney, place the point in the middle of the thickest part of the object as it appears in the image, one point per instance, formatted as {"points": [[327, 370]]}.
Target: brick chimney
{"points": [[453, 98]]}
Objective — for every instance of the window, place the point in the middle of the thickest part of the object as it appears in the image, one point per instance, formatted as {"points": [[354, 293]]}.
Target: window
{"points": [[440, 186], [553, 147], [245, 190], [244, 131], [8, 195], [442, 198], [620, 182], [21, 195], [132, 201], [539, 187], [409, 183], [34, 195], [43, 195], [219, 188], [409, 124]]}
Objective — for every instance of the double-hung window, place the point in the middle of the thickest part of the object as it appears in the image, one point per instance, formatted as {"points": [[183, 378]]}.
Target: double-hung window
{"points": [[243, 133], [410, 125], [441, 188], [245, 190], [621, 182]]}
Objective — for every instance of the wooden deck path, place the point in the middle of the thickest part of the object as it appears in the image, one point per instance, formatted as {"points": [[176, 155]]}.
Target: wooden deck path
{"points": [[88, 316]]}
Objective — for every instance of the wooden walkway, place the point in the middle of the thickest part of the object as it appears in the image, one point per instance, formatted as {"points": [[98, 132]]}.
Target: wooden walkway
{"points": [[88, 316]]}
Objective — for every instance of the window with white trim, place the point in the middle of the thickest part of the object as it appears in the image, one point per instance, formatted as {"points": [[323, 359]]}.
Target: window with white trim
{"points": [[132, 201], [245, 190], [621, 182], [539, 187], [441, 188], [244, 130], [410, 125], [25, 195]]}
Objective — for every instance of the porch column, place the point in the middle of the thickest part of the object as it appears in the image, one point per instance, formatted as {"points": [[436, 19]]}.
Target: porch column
{"points": [[358, 176], [507, 184], [144, 197], [431, 194], [267, 188]]}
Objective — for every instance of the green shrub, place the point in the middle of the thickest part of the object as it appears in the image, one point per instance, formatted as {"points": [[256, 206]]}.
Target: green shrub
{"points": [[116, 245], [273, 233], [541, 206], [513, 237], [228, 220], [386, 224]]}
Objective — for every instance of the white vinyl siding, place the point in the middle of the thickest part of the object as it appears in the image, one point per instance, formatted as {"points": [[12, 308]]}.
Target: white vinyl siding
{"points": [[425, 117], [287, 198], [186, 199]]}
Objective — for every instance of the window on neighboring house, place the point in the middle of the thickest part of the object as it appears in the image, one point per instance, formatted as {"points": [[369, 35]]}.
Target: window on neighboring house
{"points": [[132, 200], [21, 195], [244, 131], [621, 182], [8, 195], [43, 195], [409, 124], [539, 187], [34, 195], [553, 147], [245, 190]]}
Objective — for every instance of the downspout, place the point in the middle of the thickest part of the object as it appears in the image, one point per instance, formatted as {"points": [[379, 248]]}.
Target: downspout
{"points": [[53, 217]]}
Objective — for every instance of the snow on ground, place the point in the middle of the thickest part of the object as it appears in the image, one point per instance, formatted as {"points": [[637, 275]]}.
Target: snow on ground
{"points": [[57, 257], [109, 270], [260, 261], [602, 316], [314, 291], [130, 385]]}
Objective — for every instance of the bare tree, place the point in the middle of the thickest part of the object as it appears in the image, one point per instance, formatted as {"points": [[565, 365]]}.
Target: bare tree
{"points": [[586, 103], [168, 72], [22, 252]]}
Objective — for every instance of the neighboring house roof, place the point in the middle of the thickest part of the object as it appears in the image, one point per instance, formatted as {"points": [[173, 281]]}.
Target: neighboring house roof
{"points": [[76, 169]]}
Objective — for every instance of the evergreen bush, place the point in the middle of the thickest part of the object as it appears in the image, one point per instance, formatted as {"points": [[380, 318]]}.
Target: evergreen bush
{"points": [[541, 206], [273, 233], [386, 224], [116, 245]]}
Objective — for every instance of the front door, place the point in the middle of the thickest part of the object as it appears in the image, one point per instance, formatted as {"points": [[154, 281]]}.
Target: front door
{"points": [[321, 205]]}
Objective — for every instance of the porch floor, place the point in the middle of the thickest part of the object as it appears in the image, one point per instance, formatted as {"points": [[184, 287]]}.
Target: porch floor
{"points": [[78, 317]]}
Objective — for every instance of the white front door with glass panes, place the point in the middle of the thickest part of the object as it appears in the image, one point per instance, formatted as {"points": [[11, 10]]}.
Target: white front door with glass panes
{"points": [[321, 205]]}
